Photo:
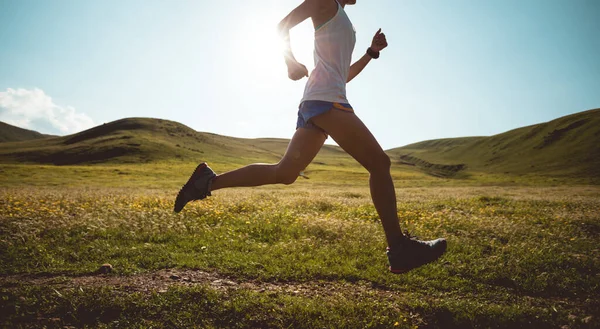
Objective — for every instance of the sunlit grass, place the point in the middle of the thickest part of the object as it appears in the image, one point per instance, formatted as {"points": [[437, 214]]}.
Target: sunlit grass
{"points": [[516, 255]]}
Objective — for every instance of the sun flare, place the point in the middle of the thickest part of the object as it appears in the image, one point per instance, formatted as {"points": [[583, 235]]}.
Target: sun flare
{"points": [[261, 47]]}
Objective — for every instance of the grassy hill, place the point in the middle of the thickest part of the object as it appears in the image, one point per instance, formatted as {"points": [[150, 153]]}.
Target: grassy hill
{"points": [[568, 146], [9, 133], [144, 140]]}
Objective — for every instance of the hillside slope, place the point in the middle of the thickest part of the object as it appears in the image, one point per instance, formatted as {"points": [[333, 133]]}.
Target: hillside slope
{"points": [[142, 140], [10, 133], [567, 146]]}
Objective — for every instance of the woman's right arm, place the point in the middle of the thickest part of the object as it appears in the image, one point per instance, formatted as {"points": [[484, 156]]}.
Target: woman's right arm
{"points": [[296, 71]]}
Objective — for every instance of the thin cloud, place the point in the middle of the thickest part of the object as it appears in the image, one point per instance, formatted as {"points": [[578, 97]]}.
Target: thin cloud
{"points": [[33, 109]]}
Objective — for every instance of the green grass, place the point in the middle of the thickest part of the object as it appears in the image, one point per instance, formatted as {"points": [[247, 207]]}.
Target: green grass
{"points": [[170, 174], [306, 255]]}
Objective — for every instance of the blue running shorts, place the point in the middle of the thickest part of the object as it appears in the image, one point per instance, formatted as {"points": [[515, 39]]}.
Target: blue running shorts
{"points": [[309, 109]]}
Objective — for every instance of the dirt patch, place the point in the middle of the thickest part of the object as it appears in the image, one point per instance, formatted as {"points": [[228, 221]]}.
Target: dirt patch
{"points": [[160, 281]]}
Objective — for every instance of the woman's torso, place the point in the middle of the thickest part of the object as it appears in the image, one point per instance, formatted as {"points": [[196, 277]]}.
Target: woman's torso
{"points": [[334, 43]]}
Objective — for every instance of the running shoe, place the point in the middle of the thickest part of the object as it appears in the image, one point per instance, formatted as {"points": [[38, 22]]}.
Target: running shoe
{"points": [[196, 188], [413, 253]]}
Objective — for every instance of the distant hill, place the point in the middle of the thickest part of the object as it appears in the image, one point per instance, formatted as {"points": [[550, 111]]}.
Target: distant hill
{"points": [[567, 146], [142, 140], [9, 133]]}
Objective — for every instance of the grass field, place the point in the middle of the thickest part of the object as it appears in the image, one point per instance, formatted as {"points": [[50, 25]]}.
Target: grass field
{"points": [[308, 255]]}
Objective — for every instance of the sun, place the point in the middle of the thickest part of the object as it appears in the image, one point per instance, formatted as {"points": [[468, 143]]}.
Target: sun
{"points": [[261, 49]]}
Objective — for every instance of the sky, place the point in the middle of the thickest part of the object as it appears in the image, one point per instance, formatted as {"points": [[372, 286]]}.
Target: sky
{"points": [[452, 69]]}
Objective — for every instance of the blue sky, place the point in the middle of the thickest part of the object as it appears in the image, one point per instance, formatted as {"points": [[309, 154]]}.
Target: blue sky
{"points": [[452, 69]]}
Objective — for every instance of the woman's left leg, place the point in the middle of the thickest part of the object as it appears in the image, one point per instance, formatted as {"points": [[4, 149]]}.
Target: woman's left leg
{"points": [[303, 147]]}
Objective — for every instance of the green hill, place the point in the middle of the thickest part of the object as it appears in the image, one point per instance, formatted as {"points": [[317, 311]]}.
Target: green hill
{"points": [[9, 133], [143, 140], [568, 146]]}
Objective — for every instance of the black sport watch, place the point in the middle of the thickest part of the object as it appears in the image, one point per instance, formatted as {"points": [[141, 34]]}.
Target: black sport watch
{"points": [[372, 53]]}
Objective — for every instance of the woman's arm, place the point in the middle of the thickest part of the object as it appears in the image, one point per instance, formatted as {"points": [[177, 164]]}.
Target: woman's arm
{"points": [[296, 71], [378, 44], [358, 66]]}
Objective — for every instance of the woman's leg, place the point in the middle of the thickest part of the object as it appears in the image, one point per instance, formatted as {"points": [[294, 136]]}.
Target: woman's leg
{"points": [[303, 148], [353, 136]]}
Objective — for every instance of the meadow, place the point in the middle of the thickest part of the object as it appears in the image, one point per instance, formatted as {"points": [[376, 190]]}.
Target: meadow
{"points": [[309, 255]]}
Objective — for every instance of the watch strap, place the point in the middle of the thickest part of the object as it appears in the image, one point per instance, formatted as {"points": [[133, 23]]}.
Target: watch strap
{"points": [[372, 53]]}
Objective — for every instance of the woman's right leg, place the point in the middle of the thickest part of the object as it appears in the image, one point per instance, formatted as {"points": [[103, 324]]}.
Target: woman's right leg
{"points": [[303, 148], [353, 136]]}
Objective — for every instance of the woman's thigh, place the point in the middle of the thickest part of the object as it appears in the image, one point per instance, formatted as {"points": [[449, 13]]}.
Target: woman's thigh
{"points": [[351, 134], [302, 149]]}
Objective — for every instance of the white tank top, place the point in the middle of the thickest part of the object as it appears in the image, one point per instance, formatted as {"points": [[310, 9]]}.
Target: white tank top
{"points": [[334, 43]]}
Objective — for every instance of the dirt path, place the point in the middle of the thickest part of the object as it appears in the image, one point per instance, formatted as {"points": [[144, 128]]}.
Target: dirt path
{"points": [[160, 281]]}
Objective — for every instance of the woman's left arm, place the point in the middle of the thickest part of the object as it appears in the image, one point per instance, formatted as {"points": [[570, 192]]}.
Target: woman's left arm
{"points": [[378, 44]]}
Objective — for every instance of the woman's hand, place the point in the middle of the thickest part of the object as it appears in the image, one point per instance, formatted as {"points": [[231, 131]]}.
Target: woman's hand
{"points": [[296, 71], [379, 42]]}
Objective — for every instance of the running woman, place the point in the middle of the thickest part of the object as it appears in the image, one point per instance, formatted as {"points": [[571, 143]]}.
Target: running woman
{"points": [[324, 110]]}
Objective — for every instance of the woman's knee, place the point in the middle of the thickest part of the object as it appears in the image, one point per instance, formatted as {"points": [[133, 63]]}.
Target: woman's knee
{"points": [[379, 163], [285, 176]]}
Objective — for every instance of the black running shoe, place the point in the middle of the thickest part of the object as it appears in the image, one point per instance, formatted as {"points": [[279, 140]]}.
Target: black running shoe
{"points": [[413, 253], [196, 188]]}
